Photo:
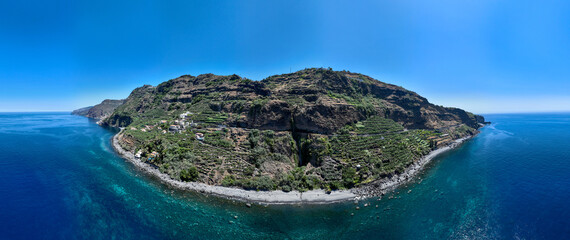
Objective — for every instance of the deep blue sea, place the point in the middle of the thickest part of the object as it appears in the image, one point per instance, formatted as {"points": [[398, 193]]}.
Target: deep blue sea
{"points": [[60, 179]]}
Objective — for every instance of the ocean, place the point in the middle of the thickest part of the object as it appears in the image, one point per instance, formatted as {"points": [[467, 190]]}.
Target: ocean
{"points": [[60, 179]]}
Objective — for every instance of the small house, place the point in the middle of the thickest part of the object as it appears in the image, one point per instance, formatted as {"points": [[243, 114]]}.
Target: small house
{"points": [[153, 155], [174, 128], [200, 136]]}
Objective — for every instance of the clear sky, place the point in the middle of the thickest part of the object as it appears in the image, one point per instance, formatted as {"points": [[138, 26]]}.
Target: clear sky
{"points": [[480, 55]]}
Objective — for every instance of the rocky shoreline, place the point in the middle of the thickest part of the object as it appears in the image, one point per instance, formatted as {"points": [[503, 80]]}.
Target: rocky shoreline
{"points": [[376, 188], [381, 187]]}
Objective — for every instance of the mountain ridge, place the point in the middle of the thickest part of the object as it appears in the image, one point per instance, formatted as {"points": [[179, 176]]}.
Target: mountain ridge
{"points": [[99, 111], [399, 99], [315, 128]]}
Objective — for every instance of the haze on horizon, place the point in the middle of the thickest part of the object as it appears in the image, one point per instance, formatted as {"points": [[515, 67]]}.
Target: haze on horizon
{"points": [[483, 56]]}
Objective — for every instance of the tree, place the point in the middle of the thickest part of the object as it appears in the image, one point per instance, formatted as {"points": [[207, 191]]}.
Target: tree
{"points": [[248, 171], [190, 174], [229, 180], [264, 183], [348, 175]]}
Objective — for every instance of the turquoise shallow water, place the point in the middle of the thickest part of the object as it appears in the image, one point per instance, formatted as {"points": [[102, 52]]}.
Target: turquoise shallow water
{"points": [[60, 179]]}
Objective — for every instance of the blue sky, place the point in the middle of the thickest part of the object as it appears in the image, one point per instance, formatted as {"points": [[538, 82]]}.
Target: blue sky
{"points": [[482, 56]]}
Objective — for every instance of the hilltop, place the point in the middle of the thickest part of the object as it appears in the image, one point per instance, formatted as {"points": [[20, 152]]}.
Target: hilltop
{"points": [[312, 129]]}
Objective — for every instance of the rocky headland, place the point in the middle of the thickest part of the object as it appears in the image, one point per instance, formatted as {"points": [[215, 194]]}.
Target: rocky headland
{"points": [[316, 135], [99, 111]]}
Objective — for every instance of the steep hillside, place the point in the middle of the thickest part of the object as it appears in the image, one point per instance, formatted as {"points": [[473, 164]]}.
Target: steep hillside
{"points": [[315, 128], [81, 111], [99, 111]]}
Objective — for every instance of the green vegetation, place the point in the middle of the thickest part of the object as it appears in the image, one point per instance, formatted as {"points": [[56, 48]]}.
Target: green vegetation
{"points": [[376, 125], [375, 149], [190, 174], [312, 129]]}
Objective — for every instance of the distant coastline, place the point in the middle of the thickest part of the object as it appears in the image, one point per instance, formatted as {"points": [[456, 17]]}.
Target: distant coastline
{"points": [[374, 189]]}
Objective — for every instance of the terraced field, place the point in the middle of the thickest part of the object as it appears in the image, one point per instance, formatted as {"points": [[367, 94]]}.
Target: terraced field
{"points": [[315, 128]]}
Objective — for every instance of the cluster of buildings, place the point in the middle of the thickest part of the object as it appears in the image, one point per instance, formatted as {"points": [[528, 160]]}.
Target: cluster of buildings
{"points": [[153, 155], [182, 123], [179, 125]]}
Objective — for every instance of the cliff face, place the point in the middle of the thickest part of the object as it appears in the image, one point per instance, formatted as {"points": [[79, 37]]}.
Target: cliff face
{"points": [[312, 100], [99, 111], [81, 111], [315, 128]]}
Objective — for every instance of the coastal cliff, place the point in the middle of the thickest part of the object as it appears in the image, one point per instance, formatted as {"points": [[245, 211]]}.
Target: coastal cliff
{"points": [[312, 129], [99, 111]]}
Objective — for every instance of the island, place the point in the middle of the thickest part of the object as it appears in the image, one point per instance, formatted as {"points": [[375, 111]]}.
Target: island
{"points": [[314, 136]]}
